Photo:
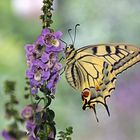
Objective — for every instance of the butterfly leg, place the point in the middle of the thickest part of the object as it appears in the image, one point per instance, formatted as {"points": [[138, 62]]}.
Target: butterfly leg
{"points": [[63, 70], [94, 109], [61, 58]]}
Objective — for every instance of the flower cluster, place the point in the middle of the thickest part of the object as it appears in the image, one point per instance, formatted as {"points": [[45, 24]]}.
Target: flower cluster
{"points": [[37, 119], [42, 60], [27, 114]]}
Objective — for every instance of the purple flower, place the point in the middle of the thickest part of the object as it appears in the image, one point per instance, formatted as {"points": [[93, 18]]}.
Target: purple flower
{"points": [[52, 82], [32, 138], [50, 40], [45, 57], [57, 67], [52, 60], [34, 90], [30, 126], [38, 73], [42, 60], [27, 112], [7, 136], [29, 53], [29, 49], [51, 135], [33, 52]]}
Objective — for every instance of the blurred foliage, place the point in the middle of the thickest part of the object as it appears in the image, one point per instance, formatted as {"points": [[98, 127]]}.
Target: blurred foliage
{"points": [[66, 135], [101, 21], [11, 112]]}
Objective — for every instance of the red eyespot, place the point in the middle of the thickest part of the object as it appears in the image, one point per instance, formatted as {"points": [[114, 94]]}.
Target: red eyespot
{"points": [[85, 93]]}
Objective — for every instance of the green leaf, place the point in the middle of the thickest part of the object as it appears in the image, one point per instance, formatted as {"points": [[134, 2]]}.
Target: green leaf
{"points": [[66, 135], [9, 87], [61, 132], [69, 130], [69, 138], [37, 97], [51, 115]]}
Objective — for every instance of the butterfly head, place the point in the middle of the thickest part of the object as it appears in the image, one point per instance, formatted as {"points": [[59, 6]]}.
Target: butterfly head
{"points": [[69, 51], [68, 48]]}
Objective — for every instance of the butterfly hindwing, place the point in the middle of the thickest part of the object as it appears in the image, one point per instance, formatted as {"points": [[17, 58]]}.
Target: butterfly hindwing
{"points": [[92, 73]]}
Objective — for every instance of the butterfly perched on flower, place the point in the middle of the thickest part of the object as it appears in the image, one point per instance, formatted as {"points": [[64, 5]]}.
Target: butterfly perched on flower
{"points": [[93, 70]]}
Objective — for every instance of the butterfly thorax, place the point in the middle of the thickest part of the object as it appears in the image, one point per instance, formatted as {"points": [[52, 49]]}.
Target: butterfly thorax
{"points": [[70, 54]]}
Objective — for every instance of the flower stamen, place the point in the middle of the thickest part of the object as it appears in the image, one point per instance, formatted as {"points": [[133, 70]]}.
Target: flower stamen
{"points": [[55, 42], [37, 76]]}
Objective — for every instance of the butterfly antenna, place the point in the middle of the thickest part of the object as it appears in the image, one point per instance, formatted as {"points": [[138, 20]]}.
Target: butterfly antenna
{"points": [[63, 41], [95, 113], [75, 30], [69, 32]]}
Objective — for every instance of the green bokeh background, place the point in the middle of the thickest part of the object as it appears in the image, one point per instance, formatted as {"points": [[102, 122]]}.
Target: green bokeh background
{"points": [[102, 21]]}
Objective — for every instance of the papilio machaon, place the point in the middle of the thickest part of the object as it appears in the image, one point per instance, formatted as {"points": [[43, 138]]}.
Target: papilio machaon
{"points": [[93, 70]]}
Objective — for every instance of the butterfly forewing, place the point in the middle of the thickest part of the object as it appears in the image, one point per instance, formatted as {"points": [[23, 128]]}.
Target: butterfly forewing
{"points": [[120, 56]]}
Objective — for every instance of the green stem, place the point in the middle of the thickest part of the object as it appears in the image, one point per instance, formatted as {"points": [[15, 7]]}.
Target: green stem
{"points": [[47, 102], [46, 17]]}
